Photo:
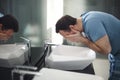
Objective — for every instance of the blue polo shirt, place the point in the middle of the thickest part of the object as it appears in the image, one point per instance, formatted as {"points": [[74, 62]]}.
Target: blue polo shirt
{"points": [[97, 24]]}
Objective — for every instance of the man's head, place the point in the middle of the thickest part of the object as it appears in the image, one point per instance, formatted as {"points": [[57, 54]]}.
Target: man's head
{"points": [[68, 25], [64, 23], [8, 25]]}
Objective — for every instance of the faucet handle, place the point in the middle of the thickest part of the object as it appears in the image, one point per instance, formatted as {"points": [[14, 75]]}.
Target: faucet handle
{"points": [[26, 67], [23, 72]]}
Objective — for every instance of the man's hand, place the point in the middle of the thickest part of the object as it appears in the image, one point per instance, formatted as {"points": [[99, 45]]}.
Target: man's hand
{"points": [[3, 36], [76, 37]]}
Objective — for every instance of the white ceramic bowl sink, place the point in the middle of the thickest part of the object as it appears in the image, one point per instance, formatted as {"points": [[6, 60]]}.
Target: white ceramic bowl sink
{"points": [[53, 74], [70, 57], [12, 54]]}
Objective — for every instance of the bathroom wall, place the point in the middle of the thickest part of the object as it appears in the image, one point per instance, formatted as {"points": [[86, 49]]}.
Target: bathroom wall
{"points": [[77, 7]]}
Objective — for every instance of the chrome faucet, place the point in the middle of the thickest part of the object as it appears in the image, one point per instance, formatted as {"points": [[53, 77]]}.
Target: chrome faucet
{"points": [[48, 47], [49, 44], [29, 48]]}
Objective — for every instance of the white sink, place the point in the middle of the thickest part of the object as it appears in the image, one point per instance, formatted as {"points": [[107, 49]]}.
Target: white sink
{"points": [[54, 74], [70, 57], [12, 54]]}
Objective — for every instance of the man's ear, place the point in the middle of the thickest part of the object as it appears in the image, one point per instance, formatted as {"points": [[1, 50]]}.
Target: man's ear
{"points": [[71, 27]]}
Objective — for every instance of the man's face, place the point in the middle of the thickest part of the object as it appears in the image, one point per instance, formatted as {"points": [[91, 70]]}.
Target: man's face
{"points": [[6, 34], [65, 33], [71, 31]]}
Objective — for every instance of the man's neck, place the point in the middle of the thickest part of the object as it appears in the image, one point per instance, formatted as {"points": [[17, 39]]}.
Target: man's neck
{"points": [[79, 23]]}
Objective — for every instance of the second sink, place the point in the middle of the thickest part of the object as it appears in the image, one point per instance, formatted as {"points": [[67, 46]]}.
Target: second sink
{"points": [[67, 57]]}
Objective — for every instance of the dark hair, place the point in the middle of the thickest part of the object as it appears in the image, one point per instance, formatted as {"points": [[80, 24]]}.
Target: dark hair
{"points": [[64, 22], [9, 22]]}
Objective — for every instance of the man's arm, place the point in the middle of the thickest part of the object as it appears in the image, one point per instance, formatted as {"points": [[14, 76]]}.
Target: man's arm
{"points": [[102, 45]]}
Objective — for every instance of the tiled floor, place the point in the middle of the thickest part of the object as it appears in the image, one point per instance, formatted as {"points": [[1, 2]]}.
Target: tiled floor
{"points": [[101, 67]]}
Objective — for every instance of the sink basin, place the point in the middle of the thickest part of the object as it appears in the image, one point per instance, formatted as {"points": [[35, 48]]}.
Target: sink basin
{"points": [[50, 74], [67, 57], [12, 54]]}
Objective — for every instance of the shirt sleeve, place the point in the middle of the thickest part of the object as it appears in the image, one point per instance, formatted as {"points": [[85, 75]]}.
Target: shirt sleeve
{"points": [[95, 29]]}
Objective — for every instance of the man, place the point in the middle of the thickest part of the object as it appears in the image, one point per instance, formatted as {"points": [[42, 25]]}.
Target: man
{"points": [[8, 25], [101, 33]]}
